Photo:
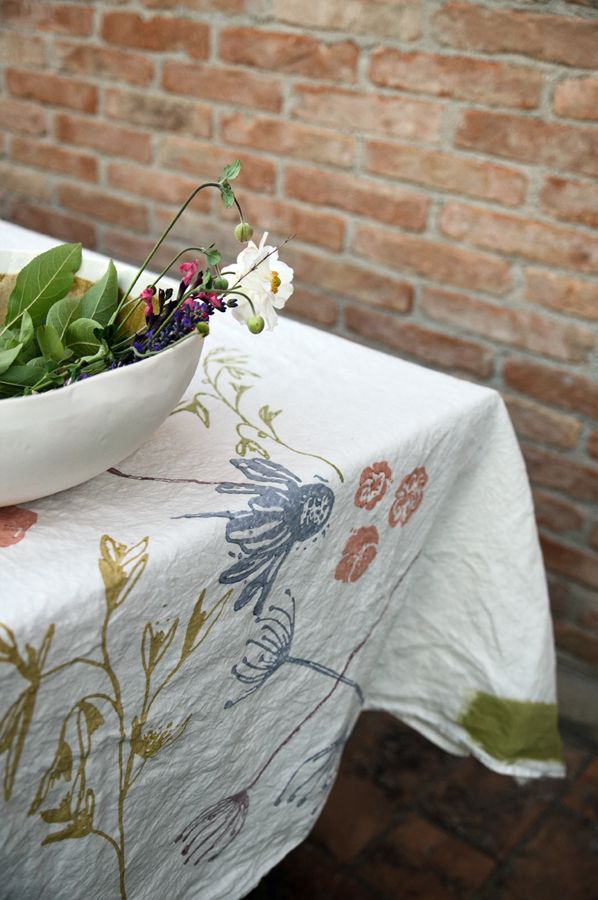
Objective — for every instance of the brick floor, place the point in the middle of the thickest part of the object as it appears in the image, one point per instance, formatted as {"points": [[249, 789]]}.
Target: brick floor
{"points": [[406, 821]]}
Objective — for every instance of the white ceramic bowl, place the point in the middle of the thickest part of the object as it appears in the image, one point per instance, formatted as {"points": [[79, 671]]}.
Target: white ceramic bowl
{"points": [[53, 441]]}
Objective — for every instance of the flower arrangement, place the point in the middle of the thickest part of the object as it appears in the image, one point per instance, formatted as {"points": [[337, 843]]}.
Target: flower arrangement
{"points": [[50, 337]]}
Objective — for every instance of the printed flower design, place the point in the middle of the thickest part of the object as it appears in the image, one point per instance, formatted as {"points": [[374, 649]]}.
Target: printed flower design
{"points": [[282, 513], [207, 836], [312, 780], [408, 497], [271, 649], [372, 485], [359, 552], [15, 522]]}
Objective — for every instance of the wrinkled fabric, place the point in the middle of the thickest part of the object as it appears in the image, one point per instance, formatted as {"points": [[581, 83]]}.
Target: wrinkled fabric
{"points": [[187, 640]]}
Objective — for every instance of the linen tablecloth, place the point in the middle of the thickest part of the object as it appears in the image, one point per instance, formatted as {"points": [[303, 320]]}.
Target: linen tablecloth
{"points": [[187, 640]]}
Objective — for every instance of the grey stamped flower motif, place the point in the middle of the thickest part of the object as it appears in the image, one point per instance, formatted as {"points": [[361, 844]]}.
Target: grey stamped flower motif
{"points": [[311, 781], [272, 648], [283, 512]]}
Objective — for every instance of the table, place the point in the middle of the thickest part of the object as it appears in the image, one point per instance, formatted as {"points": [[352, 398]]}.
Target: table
{"points": [[188, 639]]}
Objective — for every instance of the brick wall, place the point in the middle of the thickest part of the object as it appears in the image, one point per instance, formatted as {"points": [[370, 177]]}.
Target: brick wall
{"points": [[436, 161]]}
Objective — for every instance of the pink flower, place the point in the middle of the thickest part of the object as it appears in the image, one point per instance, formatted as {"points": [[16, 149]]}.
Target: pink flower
{"points": [[372, 485], [189, 270], [15, 522], [408, 497], [359, 551], [147, 296]]}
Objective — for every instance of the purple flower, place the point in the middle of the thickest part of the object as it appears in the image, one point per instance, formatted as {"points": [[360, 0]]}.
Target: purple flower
{"points": [[207, 836]]}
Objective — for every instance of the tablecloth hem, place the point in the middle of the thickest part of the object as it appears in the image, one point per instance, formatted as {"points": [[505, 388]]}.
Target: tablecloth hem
{"points": [[449, 736]]}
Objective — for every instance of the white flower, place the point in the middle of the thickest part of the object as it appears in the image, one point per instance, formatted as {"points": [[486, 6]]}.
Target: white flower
{"points": [[260, 274]]}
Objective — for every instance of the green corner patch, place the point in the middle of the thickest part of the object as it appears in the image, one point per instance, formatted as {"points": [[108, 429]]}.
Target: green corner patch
{"points": [[511, 730]]}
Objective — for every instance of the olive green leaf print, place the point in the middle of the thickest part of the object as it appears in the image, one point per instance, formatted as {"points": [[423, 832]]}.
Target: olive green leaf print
{"points": [[67, 799], [228, 379], [512, 730]]}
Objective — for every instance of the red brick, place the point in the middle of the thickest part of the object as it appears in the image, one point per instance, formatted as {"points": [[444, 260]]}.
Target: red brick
{"points": [[56, 159], [99, 204], [103, 62], [422, 343], [127, 247], [395, 206], [158, 33], [19, 180], [61, 18], [516, 327], [574, 201], [205, 162], [22, 49], [289, 139], [396, 116], [522, 237], [199, 226], [559, 39], [160, 186], [291, 53], [567, 295], [577, 98], [46, 88], [562, 474], [24, 117], [311, 226], [350, 280], [223, 6], [530, 140], [102, 136], [389, 19], [225, 84], [576, 641], [556, 514], [158, 112], [432, 259], [312, 307], [446, 171], [420, 860], [52, 222], [459, 77], [557, 386], [593, 444], [542, 423]]}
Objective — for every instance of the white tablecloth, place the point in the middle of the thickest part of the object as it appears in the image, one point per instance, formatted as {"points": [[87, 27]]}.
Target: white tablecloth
{"points": [[187, 640]]}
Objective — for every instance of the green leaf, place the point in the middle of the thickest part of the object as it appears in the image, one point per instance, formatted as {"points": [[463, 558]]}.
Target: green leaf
{"points": [[101, 299], [42, 282], [63, 313], [231, 171], [25, 376], [212, 256], [27, 331], [50, 343], [227, 194], [7, 357], [82, 339]]}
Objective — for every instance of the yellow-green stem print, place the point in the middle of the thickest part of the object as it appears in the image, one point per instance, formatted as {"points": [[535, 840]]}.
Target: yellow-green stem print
{"points": [[66, 796], [230, 366]]}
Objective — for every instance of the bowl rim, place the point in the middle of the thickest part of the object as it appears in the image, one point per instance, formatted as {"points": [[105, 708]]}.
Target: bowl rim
{"points": [[63, 391], [69, 388]]}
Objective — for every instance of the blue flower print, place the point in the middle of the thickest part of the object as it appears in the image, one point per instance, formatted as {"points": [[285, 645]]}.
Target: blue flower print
{"points": [[282, 513]]}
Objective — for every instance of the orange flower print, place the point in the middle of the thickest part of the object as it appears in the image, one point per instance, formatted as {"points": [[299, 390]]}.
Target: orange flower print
{"points": [[408, 497], [360, 551], [372, 485], [15, 522]]}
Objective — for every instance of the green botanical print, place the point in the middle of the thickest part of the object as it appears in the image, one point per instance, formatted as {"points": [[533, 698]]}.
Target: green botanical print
{"points": [[228, 379], [65, 796], [512, 730]]}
